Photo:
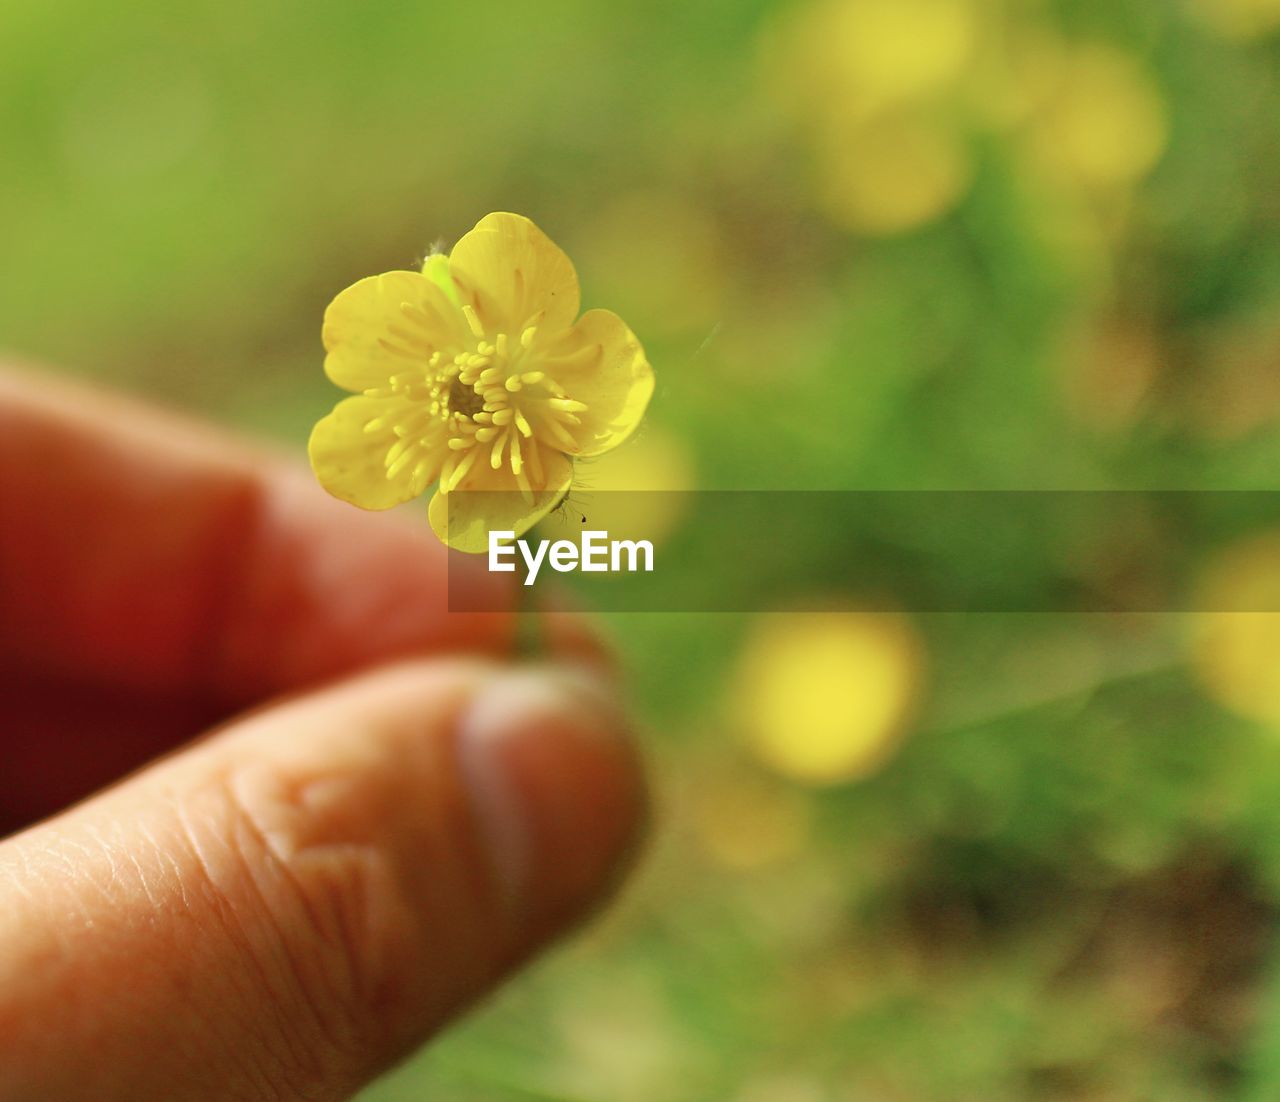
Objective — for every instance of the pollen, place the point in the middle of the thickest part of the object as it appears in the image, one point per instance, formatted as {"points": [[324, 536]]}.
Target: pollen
{"points": [[489, 395]]}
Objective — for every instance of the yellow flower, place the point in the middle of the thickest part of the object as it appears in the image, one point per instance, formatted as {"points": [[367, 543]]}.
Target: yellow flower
{"points": [[475, 373]]}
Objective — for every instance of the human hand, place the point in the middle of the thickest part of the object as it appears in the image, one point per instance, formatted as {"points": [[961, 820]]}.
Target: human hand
{"points": [[287, 906]]}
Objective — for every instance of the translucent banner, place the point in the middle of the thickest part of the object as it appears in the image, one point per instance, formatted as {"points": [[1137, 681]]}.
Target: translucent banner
{"points": [[917, 551]]}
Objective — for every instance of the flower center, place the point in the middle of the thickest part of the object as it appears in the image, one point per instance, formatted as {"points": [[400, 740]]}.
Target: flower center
{"points": [[464, 399], [492, 408]]}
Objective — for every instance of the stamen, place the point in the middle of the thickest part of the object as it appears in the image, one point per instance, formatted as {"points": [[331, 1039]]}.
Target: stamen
{"points": [[410, 338], [495, 457], [568, 405], [561, 435], [397, 350], [526, 338], [535, 463], [473, 319], [396, 452], [460, 471], [393, 471], [522, 424], [522, 481]]}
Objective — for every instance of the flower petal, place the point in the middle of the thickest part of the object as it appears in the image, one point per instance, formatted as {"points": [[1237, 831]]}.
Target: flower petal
{"points": [[489, 501], [350, 448], [387, 324], [509, 271], [600, 363]]}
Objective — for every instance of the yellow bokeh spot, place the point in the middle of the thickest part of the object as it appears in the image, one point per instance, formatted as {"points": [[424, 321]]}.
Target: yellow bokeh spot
{"points": [[639, 490], [892, 174], [846, 54], [1016, 71], [653, 459], [1104, 124], [1236, 642], [661, 253], [823, 697], [1239, 19], [744, 823]]}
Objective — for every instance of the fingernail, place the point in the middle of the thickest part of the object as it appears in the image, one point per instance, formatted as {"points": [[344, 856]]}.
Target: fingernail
{"points": [[555, 788]]}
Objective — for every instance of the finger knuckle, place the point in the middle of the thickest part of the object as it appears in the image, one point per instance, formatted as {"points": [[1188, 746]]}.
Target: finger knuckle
{"points": [[319, 917]]}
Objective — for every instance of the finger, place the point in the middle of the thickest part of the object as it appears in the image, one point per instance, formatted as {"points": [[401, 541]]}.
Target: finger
{"points": [[62, 740], [286, 909], [143, 551]]}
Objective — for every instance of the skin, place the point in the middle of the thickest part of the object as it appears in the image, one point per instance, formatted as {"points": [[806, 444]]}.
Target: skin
{"points": [[363, 814]]}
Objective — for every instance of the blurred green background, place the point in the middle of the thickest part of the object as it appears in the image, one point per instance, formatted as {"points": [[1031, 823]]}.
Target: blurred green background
{"points": [[868, 244]]}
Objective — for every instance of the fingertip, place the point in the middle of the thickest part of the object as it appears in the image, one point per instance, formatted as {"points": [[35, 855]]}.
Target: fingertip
{"points": [[559, 793], [329, 589]]}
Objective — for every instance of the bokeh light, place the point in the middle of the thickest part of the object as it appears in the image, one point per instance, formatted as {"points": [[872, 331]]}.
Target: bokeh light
{"points": [[1102, 125], [891, 173], [1236, 639], [1240, 19], [822, 697]]}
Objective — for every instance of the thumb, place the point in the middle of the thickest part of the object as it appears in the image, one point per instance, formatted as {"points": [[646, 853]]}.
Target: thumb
{"points": [[288, 907]]}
